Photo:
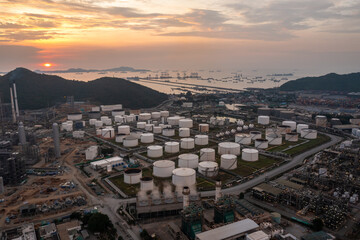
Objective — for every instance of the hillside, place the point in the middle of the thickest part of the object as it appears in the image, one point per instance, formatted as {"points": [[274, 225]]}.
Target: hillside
{"points": [[330, 82], [40, 90]]}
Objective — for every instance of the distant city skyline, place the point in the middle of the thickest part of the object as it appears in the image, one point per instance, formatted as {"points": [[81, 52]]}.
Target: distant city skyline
{"points": [[315, 36]]}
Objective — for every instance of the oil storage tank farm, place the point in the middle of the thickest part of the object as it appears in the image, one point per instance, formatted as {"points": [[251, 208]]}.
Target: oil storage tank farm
{"points": [[154, 151], [183, 177], [243, 138], [163, 168], [308, 133], [147, 138], [130, 141], [144, 116], [264, 120], [184, 132], [291, 124], [146, 183], [299, 127], [125, 129], [292, 137], [186, 123], [208, 168], [132, 176], [255, 135], [261, 143], [187, 143], [201, 140], [250, 155], [228, 161], [188, 160], [274, 139], [157, 129], [229, 148], [207, 154], [172, 147]]}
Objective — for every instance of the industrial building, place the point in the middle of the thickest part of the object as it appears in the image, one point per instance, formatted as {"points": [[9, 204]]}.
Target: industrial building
{"points": [[12, 168], [104, 163]]}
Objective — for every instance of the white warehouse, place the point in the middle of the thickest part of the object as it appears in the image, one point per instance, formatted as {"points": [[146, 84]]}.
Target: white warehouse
{"points": [[113, 161]]}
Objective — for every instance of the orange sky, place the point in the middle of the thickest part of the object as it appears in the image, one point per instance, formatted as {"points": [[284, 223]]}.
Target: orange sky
{"points": [[279, 34]]}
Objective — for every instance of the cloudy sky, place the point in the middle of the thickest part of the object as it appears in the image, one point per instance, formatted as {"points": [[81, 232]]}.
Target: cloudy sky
{"points": [[316, 36]]}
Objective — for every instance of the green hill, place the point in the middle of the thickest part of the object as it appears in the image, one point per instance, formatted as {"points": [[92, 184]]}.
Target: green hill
{"points": [[330, 82], [40, 90]]}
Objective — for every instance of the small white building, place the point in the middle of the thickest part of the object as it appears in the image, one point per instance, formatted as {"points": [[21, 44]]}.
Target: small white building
{"points": [[101, 164], [91, 152]]}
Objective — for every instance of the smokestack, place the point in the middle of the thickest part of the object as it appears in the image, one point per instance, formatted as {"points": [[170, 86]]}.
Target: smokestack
{"points": [[56, 139], [217, 190], [12, 105], [186, 193], [16, 101], [22, 135]]}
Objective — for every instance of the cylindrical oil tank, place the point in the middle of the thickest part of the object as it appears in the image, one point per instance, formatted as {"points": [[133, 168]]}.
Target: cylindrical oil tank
{"points": [[117, 112], [119, 119], [130, 141], [229, 148], [184, 132], [188, 160], [172, 147], [292, 137], [173, 121], [144, 116], [201, 140], [308, 133], [92, 122], [136, 134], [129, 118], [141, 125], [149, 127], [187, 143], [208, 168], [119, 138], [255, 135], [274, 139], [228, 161], [155, 115], [263, 120], [321, 121], [271, 131], [98, 123], [154, 151], [163, 168], [132, 175], [250, 155], [261, 143], [146, 184], [243, 138], [125, 129], [186, 123], [107, 121], [164, 113], [147, 138], [204, 127], [301, 126], [207, 154], [74, 116], [168, 132], [283, 129], [157, 129], [183, 177], [291, 124], [98, 132], [108, 132]]}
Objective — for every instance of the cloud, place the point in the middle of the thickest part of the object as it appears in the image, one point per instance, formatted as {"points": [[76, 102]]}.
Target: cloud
{"points": [[13, 56], [26, 35]]}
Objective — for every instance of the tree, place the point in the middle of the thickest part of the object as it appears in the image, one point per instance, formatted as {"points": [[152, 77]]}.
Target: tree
{"points": [[99, 222], [317, 224]]}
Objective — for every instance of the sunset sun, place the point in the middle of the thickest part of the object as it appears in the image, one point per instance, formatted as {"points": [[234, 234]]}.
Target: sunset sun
{"points": [[47, 64]]}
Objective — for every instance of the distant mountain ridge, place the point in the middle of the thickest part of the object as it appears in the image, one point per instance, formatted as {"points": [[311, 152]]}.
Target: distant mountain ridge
{"points": [[37, 90], [81, 70], [330, 82]]}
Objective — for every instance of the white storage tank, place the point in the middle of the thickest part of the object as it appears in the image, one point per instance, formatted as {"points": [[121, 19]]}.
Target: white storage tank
{"points": [[144, 116], [229, 148], [255, 135], [119, 119], [146, 184], [207, 154], [184, 132], [274, 139], [98, 123], [201, 140], [141, 125], [92, 122], [321, 121], [250, 155], [186, 123], [271, 131], [132, 176], [292, 137], [117, 112], [204, 127], [163, 168], [299, 127], [154, 151], [124, 129], [108, 132], [98, 132], [149, 127], [261, 143], [157, 129], [308, 133], [164, 113], [147, 138], [129, 118], [243, 138], [107, 121], [168, 132], [74, 116], [283, 129], [264, 120], [208, 168], [119, 138], [136, 134], [183, 177], [130, 141], [173, 121], [155, 115], [291, 124], [228, 161], [188, 160], [187, 143], [172, 147]]}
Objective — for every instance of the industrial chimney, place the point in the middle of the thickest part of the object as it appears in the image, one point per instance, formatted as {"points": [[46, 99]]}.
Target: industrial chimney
{"points": [[22, 135], [16, 101], [12, 105], [217, 190], [186, 193], [56, 139]]}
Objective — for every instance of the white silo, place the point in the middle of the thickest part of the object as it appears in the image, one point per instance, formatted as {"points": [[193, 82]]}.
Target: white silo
{"points": [[130, 141], [107, 122], [243, 138], [98, 132], [239, 129], [274, 139], [147, 138], [187, 143], [251, 125], [164, 113], [228, 161], [172, 147], [141, 125], [144, 116], [132, 176], [74, 116], [163, 168], [308, 133], [168, 132], [240, 123], [92, 122], [255, 135], [125, 129], [204, 127], [98, 123], [173, 121], [208, 168], [321, 121], [250, 155], [184, 132], [119, 138], [229, 148], [188, 160], [291, 124], [245, 127], [292, 137], [108, 132], [183, 177], [155, 115], [207, 154], [264, 120], [130, 118], [186, 123], [146, 184], [201, 140], [117, 112], [136, 134], [157, 130], [300, 127], [283, 129], [154, 151], [261, 143], [149, 127], [119, 119]]}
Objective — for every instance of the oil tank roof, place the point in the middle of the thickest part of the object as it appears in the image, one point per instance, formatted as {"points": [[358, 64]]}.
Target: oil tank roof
{"points": [[184, 172], [164, 163]]}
